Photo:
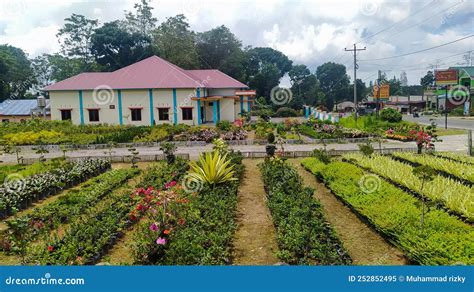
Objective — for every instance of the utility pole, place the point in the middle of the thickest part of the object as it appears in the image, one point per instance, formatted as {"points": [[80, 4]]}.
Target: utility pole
{"points": [[377, 98], [354, 50]]}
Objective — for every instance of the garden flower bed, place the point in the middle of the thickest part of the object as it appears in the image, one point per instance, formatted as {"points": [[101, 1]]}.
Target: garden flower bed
{"points": [[450, 193], [19, 194], [444, 239], [303, 234], [461, 171], [64, 210], [199, 225]]}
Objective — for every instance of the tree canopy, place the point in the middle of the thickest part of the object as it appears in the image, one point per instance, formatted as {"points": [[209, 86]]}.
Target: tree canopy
{"points": [[88, 46]]}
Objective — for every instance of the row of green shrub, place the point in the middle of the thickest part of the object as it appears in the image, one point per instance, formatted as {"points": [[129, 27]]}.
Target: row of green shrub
{"points": [[28, 170], [206, 237], [303, 234], [65, 209], [441, 240]]}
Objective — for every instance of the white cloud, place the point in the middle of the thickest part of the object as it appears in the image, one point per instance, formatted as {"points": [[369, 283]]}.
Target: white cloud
{"points": [[308, 31]]}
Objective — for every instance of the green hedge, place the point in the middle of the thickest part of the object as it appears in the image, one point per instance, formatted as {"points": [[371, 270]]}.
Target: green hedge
{"points": [[445, 240], [303, 234], [206, 237]]}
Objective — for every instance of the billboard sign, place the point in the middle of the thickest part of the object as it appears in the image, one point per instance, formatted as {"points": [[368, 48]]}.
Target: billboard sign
{"points": [[446, 77], [382, 91]]}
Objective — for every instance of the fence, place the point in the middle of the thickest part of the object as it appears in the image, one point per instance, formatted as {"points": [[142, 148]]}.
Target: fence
{"points": [[117, 158], [298, 154], [305, 140]]}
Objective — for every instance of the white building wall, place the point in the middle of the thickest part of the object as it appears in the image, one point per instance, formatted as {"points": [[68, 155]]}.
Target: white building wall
{"points": [[227, 110], [105, 104], [109, 106], [136, 99], [65, 100]]}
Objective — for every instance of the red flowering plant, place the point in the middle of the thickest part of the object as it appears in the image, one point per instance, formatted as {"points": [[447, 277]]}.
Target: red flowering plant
{"points": [[422, 138], [160, 214]]}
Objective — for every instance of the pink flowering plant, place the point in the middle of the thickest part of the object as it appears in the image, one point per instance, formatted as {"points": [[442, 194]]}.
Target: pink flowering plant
{"points": [[159, 214]]}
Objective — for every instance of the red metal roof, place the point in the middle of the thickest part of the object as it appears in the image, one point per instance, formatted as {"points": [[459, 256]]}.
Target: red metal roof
{"points": [[153, 72]]}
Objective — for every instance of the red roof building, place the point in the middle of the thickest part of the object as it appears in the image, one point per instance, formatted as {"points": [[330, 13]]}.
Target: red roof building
{"points": [[151, 91]]}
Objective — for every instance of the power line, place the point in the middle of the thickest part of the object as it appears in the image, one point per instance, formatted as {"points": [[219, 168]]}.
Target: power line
{"points": [[424, 20], [420, 51], [395, 23]]}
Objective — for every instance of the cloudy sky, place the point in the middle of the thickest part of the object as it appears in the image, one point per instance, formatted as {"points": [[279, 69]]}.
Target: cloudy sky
{"points": [[310, 32]]}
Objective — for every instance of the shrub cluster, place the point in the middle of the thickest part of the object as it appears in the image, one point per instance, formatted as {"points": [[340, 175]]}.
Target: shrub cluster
{"points": [[304, 236]]}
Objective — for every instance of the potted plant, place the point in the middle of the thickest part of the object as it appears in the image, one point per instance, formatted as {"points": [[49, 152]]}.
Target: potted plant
{"points": [[270, 148], [169, 149]]}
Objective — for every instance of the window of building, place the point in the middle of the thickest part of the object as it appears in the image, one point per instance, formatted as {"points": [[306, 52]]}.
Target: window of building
{"points": [[187, 113], [66, 115], [136, 114], [163, 114], [93, 115]]}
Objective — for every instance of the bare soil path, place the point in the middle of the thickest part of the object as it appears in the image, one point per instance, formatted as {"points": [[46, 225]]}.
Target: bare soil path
{"points": [[255, 240], [365, 246]]}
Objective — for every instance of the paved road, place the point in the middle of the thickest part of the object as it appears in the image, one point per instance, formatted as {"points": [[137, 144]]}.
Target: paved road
{"points": [[455, 143], [453, 122]]}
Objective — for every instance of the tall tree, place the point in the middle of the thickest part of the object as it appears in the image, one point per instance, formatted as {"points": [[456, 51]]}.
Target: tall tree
{"points": [[75, 38], [305, 86], [216, 46], [428, 79], [175, 42], [361, 89], [43, 72], [63, 67], [16, 75], [334, 82], [403, 78], [142, 20], [114, 47], [264, 69]]}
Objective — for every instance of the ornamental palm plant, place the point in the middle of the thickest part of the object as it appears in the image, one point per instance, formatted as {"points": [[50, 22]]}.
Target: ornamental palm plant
{"points": [[212, 168]]}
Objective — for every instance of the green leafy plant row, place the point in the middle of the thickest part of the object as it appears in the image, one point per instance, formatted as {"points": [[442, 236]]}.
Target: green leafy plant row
{"points": [[87, 238], [304, 236], [28, 170], [455, 157], [444, 239], [448, 192], [20, 193], [206, 236], [65, 209], [463, 171]]}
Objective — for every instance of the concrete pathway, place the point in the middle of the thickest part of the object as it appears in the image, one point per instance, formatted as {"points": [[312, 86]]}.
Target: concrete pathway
{"points": [[255, 240], [454, 143]]}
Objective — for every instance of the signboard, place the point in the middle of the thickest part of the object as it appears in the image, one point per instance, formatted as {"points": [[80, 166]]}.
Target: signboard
{"points": [[381, 91], [446, 77]]}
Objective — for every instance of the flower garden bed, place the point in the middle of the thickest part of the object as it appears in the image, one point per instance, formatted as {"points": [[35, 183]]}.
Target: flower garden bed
{"points": [[303, 234], [463, 172], [21, 193], [197, 228], [444, 239], [450, 193], [65, 209]]}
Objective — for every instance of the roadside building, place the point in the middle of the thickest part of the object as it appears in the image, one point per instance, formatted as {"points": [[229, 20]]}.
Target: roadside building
{"points": [[149, 92], [17, 110]]}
